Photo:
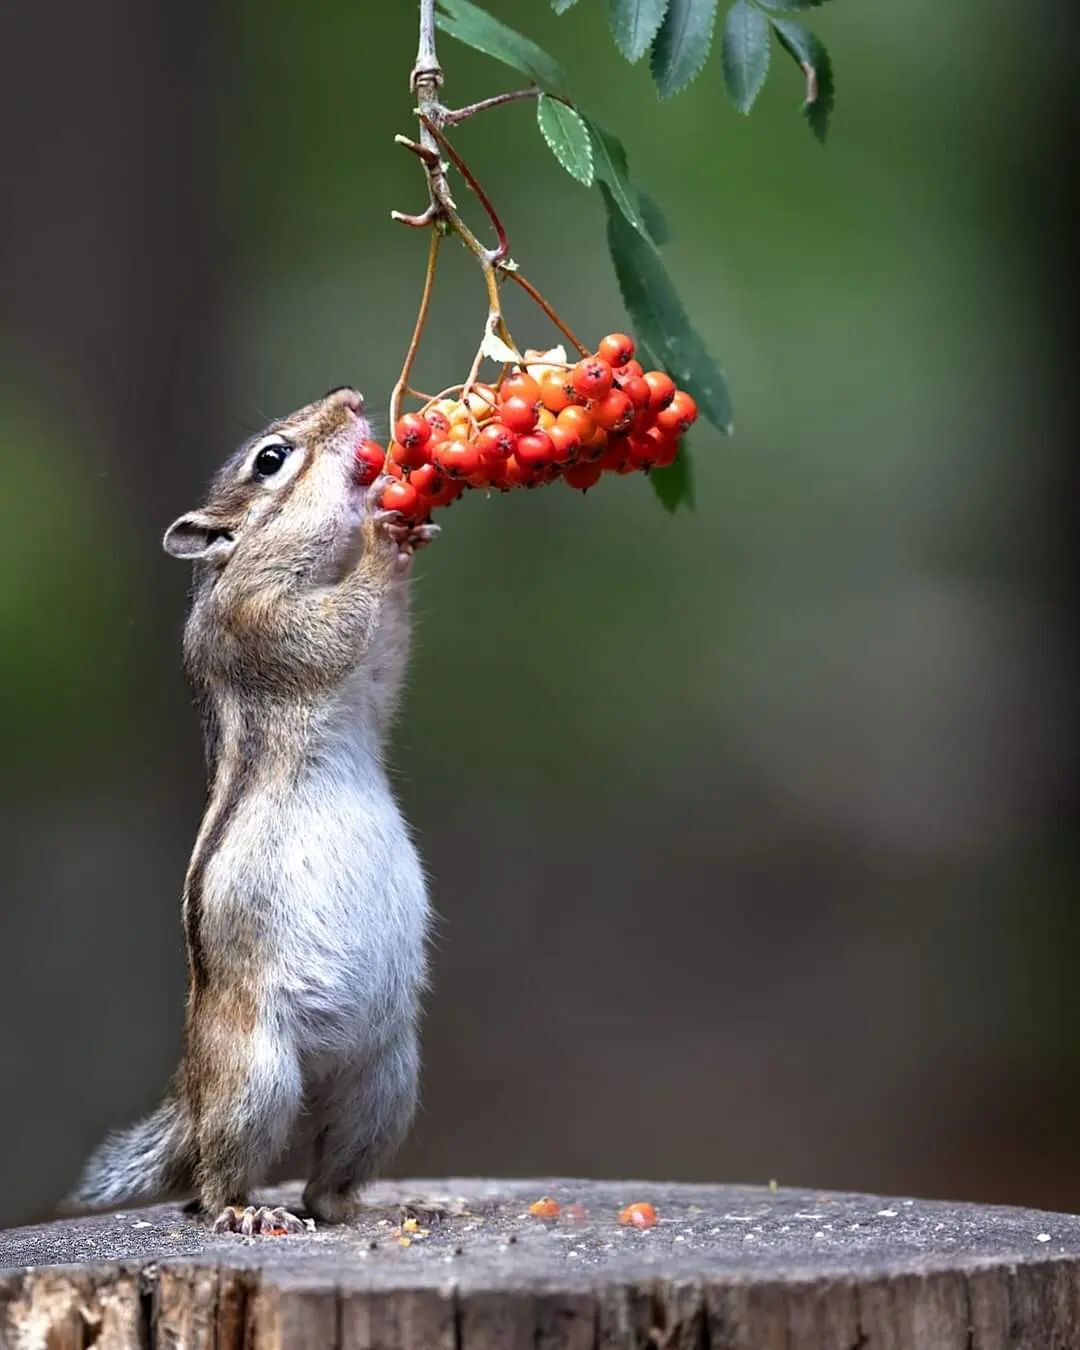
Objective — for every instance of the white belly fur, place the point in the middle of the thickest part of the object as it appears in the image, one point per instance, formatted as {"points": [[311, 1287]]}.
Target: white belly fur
{"points": [[318, 867]]}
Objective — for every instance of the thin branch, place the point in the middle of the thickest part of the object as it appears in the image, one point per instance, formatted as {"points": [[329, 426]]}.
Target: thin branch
{"points": [[451, 117], [503, 251], [418, 330], [531, 291]]}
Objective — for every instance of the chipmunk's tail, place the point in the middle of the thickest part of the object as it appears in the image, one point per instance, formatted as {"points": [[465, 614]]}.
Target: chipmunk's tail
{"points": [[150, 1160]]}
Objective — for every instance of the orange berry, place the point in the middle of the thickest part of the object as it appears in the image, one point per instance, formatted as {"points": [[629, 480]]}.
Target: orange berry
{"points": [[628, 371], [616, 349], [565, 442], [545, 1208], [449, 492], [370, 458], [459, 459], [667, 447], [592, 377], [461, 431], [517, 474], [518, 413], [545, 418], [639, 1215], [578, 420], [661, 389], [520, 385], [556, 391], [636, 389], [679, 415], [614, 412], [583, 476], [480, 401]]}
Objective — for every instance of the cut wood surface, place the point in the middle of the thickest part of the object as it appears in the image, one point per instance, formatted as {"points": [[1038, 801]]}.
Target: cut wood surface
{"points": [[462, 1265]]}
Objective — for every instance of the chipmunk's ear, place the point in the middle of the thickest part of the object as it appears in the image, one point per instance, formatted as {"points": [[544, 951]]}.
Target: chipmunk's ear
{"points": [[198, 536]]}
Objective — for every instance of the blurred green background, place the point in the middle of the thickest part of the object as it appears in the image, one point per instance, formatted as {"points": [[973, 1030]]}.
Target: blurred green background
{"points": [[749, 829]]}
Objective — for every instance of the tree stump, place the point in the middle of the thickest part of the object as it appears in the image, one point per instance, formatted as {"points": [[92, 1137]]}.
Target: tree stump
{"points": [[463, 1265]]}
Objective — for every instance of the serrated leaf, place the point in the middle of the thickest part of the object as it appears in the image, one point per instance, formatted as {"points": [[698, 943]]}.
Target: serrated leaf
{"points": [[484, 33], [653, 217], [675, 484], [567, 137], [808, 51], [634, 24], [682, 44], [660, 320], [561, 6], [785, 4], [609, 162], [745, 53]]}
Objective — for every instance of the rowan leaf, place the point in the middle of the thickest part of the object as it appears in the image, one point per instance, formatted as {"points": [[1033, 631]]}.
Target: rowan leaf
{"points": [[660, 320], [785, 4], [634, 24], [675, 484], [478, 29], [653, 218], [745, 53], [682, 45], [567, 137], [609, 162], [561, 6], [808, 52]]}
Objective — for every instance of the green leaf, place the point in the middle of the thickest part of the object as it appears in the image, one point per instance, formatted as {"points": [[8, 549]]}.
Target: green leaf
{"points": [[634, 24], [745, 53], [785, 4], [561, 6], [660, 320], [675, 484], [809, 52], [653, 218], [682, 44], [484, 33], [567, 137], [609, 160]]}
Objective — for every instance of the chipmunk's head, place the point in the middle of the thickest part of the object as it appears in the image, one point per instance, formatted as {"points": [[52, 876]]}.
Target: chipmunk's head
{"points": [[287, 499]]}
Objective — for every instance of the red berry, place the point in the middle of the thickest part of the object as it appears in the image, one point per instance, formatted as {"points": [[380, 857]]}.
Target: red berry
{"points": [[592, 377], [628, 371], [614, 412], [661, 389], [439, 422], [616, 349], [565, 443], [370, 457], [410, 457], [636, 389], [667, 447], [517, 474], [496, 441], [556, 391], [427, 480], [448, 493], [517, 413], [616, 457], [402, 497], [520, 385], [679, 415], [412, 430], [534, 450], [583, 476], [459, 459]]}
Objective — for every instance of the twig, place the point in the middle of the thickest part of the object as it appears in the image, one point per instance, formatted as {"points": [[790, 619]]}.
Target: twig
{"points": [[493, 255], [531, 291], [451, 117], [418, 330]]}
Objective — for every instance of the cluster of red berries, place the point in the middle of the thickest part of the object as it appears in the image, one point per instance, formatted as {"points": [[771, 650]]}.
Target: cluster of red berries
{"points": [[545, 420]]}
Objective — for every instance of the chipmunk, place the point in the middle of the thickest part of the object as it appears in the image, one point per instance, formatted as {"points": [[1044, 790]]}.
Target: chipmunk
{"points": [[305, 908]]}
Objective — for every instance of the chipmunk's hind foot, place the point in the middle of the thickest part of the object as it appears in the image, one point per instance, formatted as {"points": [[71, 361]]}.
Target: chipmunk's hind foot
{"points": [[258, 1221]]}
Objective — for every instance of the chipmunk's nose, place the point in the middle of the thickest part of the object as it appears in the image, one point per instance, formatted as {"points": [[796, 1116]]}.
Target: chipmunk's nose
{"points": [[347, 397]]}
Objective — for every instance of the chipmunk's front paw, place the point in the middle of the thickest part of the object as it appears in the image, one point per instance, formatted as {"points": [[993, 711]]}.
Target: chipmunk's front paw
{"points": [[257, 1221], [406, 535]]}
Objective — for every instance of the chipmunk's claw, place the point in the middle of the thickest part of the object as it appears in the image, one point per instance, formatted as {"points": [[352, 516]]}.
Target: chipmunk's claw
{"points": [[257, 1221]]}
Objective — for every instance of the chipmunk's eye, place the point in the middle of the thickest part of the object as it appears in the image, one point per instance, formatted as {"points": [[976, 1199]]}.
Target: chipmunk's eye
{"points": [[270, 458]]}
